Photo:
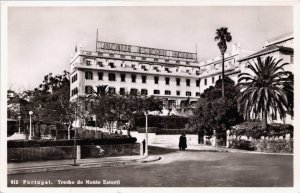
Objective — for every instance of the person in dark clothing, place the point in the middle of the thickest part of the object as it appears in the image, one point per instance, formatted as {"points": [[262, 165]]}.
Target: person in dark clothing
{"points": [[182, 142]]}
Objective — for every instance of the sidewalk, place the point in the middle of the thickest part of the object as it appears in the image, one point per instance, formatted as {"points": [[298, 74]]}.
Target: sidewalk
{"points": [[209, 148], [55, 165]]}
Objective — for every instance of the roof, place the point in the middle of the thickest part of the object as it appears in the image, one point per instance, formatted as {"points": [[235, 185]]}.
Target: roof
{"points": [[267, 50]]}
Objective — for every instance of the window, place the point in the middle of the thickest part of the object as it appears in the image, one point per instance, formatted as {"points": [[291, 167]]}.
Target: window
{"points": [[188, 82], [111, 64], [111, 55], [144, 79], [177, 61], [219, 76], [123, 77], [100, 54], [133, 66], [197, 94], [133, 78], [167, 60], [167, 80], [205, 81], [133, 57], [188, 93], [112, 90], [155, 59], [187, 62], [143, 58], [144, 92], [187, 71], [88, 63], [156, 91], [74, 91], [88, 75], [88, 89], [122, 91], [100, 75], [156, 79], [133, 91], [167, 92], [74, 78], [178, 93], [292, 59], [100, 64], [178, 81], [197, 72], [122, 56], [111, 77], [197, 83], [213, 79]]}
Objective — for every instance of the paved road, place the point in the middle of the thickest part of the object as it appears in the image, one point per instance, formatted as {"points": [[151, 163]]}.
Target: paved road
{"points": [[179, 169]]}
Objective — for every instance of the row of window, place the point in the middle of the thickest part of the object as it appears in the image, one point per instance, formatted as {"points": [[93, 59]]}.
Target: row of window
{"points": [[133, 91], [88, 62], [74, 91], [74, 78], [111, 64], [112, 77]]}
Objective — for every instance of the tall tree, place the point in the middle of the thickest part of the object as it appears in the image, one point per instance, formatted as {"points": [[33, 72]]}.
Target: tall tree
{"points": [[213, 112], [223, 36], [265, 90]]}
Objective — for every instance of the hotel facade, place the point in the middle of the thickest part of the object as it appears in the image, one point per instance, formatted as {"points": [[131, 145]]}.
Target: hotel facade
{"points": [[174, 76]]}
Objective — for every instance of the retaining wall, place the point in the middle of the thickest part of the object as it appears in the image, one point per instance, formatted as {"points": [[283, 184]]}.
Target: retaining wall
{"points": [[68, 152]]}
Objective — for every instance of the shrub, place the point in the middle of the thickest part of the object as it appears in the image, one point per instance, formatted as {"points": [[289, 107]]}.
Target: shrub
{"points": [[242, 144], [173, 131], [149, 130], [254, 129], [170, 122], [275, 146], [48, 143]]}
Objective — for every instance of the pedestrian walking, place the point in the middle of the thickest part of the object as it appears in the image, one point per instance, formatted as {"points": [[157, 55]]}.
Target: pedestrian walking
{"points": [[182, 142]]}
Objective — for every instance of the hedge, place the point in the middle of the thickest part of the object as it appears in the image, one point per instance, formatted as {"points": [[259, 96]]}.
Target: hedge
{"points": [[275, 146], [264, 145], [254, 129], [173, 132], [48, 143], [170, 122], [149, 130]]}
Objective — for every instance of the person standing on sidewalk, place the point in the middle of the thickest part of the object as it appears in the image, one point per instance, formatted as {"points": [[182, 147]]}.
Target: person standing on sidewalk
{"points": [[182, 142]]}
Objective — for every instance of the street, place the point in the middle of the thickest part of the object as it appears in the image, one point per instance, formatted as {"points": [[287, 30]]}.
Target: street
{"points": [[176, 169]]}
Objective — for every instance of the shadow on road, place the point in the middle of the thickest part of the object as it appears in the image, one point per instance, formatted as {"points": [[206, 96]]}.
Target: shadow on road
{"points": [[154, 150]]}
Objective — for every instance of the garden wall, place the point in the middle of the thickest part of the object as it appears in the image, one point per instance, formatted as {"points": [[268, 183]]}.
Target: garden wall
{"points": [[67, 152], [168, 140]]}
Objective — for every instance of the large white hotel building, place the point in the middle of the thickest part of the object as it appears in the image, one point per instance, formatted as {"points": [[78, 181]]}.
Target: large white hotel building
{"points": [[172, 75]]}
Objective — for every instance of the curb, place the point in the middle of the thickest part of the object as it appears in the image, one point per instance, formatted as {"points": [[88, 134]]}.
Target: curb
{"points": [[156, 158], [35, 169]]}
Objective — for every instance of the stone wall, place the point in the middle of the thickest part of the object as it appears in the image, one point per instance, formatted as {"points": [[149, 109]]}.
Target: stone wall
{"points": [[68, 152]]}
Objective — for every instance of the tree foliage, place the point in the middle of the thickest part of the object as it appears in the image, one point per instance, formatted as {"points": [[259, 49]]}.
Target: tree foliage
{"points": [[213, 112], [267, 90]]}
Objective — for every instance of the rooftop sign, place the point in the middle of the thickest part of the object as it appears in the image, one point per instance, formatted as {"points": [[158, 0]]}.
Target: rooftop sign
{"points": [[144, 50]]}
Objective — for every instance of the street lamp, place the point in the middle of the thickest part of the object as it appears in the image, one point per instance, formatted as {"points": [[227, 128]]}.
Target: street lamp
{"points": [[19, 117], [146, 128], [30, 113]]}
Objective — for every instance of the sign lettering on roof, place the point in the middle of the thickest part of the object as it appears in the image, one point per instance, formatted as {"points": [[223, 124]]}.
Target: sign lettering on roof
{"points": [[144, 50]]}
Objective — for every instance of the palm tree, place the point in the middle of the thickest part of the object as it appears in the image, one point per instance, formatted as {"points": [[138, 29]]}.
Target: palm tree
{"points": [[264, 90], [223, 36]]}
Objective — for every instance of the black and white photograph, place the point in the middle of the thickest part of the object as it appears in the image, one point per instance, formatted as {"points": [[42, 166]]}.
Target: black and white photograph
{"points": [[123, 95]]}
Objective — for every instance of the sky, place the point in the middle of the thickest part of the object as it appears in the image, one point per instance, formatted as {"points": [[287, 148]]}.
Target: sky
{"points": [[42, 39]]}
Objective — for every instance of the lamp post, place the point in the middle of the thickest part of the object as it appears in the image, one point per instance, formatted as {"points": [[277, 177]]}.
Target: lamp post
{"points": [[30, 113], [146, 128], [19, 117]]}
